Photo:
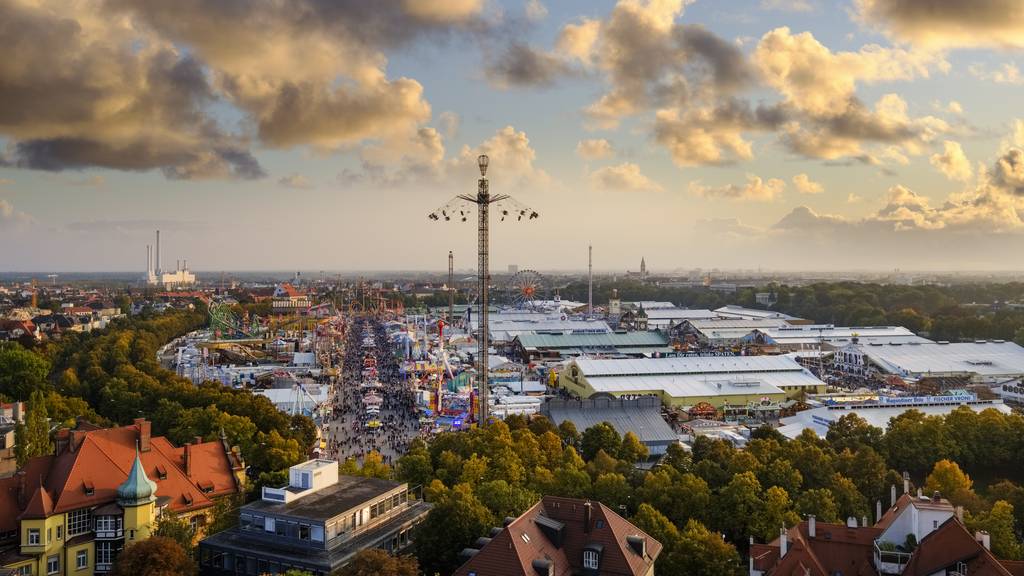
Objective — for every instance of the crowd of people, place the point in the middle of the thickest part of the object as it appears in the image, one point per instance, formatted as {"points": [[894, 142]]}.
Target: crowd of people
{"points": [[373, 409]]}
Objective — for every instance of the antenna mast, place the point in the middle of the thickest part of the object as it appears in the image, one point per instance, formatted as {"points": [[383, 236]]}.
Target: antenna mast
{"points": [[590, 280]]}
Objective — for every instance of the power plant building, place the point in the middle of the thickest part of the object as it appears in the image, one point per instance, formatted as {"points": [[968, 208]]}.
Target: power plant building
{"points": [[157, 276]]}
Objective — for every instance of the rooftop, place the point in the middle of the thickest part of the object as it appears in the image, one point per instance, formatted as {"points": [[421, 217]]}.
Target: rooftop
{"points": [[324, 504]]}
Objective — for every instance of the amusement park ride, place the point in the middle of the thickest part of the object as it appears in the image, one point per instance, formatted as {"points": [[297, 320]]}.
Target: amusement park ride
{"points": [[461, 207]]}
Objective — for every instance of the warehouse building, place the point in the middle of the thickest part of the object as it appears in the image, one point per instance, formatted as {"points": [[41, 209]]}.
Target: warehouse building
{"points": [[641, 416], [720, 381], [734, 311], [533, 347], [785, 339], [987, 362], [722, 332]]}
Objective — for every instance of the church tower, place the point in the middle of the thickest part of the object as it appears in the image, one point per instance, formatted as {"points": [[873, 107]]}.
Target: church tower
{"points": [[137, 497], [643, 268]]}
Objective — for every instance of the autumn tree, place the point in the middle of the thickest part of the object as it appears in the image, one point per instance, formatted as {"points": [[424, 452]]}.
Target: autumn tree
{"points": [[156, 556], [999, 523], [951, 482], [457, 519], [376, 562], [21, 371], [601, 436]]}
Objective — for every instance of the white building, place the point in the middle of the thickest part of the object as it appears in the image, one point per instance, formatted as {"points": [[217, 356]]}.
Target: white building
{"points": [[879, 412], [989, 362], [790, 338]]}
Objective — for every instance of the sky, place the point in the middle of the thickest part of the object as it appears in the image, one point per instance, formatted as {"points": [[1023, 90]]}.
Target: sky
{"points": [[319, 134]]}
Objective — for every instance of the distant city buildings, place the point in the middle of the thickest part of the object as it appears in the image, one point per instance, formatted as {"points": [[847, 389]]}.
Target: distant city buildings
{"points": [[181, 276]]}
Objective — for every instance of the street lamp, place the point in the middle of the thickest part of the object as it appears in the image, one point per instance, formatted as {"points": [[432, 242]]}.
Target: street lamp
{"points": [[461, 207]]}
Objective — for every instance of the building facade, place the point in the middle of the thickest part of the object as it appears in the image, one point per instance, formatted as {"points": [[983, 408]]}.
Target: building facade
{"points": [[72, 512], [316, 523]]}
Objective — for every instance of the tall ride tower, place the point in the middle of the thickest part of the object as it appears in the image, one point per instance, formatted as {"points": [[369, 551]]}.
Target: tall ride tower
{"points": [[461, 207]]}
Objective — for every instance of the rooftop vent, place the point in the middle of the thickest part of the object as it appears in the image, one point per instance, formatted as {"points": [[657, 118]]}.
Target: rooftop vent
{"points": [[543, 567], [552, 529], [638, 544]]}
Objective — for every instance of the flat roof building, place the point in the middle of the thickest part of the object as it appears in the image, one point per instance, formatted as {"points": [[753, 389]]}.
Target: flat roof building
{"points": [[789, 338], [530, 347], [316, 523], [982, 361], [641, 416], [690, 380]]}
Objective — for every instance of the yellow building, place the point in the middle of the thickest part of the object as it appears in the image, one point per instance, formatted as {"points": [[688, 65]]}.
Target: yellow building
{"points": [[72, 512], [720, 381]]}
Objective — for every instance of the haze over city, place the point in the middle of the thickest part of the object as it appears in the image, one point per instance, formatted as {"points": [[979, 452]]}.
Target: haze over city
{"points": [[785, 134]]}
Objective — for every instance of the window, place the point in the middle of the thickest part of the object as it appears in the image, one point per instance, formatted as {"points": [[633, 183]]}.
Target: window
{"points": [[60, 532], [81, 559], [24, 570], [590, 559], [33, 536], [79, 521], [49, 535], [104, 552], [131, 534], [303, 531], [53, 564], [108, 523]]}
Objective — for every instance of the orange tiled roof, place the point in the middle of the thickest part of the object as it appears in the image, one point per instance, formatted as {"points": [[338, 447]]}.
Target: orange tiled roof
{"points": [[950, 544], [92, 463]]}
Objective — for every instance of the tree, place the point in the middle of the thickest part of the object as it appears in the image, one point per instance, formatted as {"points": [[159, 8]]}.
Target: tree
{"points": [[156, 556], [849, 501], [819, 502], [503, 499], [567, 430], [225, 514], [177, 529], [457, 519], [999, 523], [632, 450], [601, 436], [951, 482], [612, 490], [776, 511], [851, 431], [33, 437], [737, 506], [21, 371], [704, 552], [914, 442], [376, 562]]}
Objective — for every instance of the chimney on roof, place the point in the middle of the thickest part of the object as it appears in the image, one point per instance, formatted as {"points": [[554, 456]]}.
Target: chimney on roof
{"points": [[878, 510], [920, 493], [783, 544], [892, 495], [198, 440], [851, 522], [750, 559], [638, 543], [984, 539], [863, 521], [145, 429], [588, 512], [17, 412], [812, 526], [936, 496], [188, 460], [960, 514]]}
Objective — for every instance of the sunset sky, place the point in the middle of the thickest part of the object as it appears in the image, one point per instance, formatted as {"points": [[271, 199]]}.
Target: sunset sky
{"points": [[318, 134]]}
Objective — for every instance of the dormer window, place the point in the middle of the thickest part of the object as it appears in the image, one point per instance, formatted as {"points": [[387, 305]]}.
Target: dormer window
{"points": [[89, 488], [591, 559], [161, 473]]}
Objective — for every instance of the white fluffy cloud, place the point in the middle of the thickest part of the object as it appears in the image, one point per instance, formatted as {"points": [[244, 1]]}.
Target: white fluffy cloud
{"points": [[804, 185], [626, 177], [755, 189], [952, 162], [1008, 73], [594, 149]]}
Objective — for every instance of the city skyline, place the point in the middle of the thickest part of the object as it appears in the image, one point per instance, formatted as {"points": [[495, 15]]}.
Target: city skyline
{"points": [[775, 134]]}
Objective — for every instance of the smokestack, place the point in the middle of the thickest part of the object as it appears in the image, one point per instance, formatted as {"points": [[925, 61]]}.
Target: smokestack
{"points": [[878, 510], [783, 544], [906, 483], [149, 259], [892, 495], [812, 528], [157, 252], [588, 510], [750, 560], [590, 280]]}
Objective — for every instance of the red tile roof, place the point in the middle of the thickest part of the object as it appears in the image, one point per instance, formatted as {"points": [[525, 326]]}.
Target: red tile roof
{"points": [[512, 551], [947, 546], [835, 548], [100, 459]]}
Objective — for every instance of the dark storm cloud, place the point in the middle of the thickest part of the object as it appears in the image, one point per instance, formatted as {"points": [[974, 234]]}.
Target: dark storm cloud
{"points": [[728, 64], [522, 65]]}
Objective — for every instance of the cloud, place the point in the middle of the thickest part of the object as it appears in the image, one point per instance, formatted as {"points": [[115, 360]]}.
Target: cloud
{"points": [[295, 181], [449, 122], [953, 163], [788, 5], [9, 217], [1008, 73], [804, 218], [596, 149], [536, 10], [713, 135], [947, 23], [804, 185], [755, 189], [522, 65], [132, 84], [625, 177]]}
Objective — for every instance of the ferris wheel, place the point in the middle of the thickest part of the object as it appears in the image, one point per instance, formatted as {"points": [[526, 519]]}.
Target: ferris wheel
{"points": [[526, 288]]}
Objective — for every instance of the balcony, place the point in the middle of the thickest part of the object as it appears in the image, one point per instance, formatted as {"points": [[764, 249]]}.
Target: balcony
{"points": [[109, 534], [889, 559]]}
